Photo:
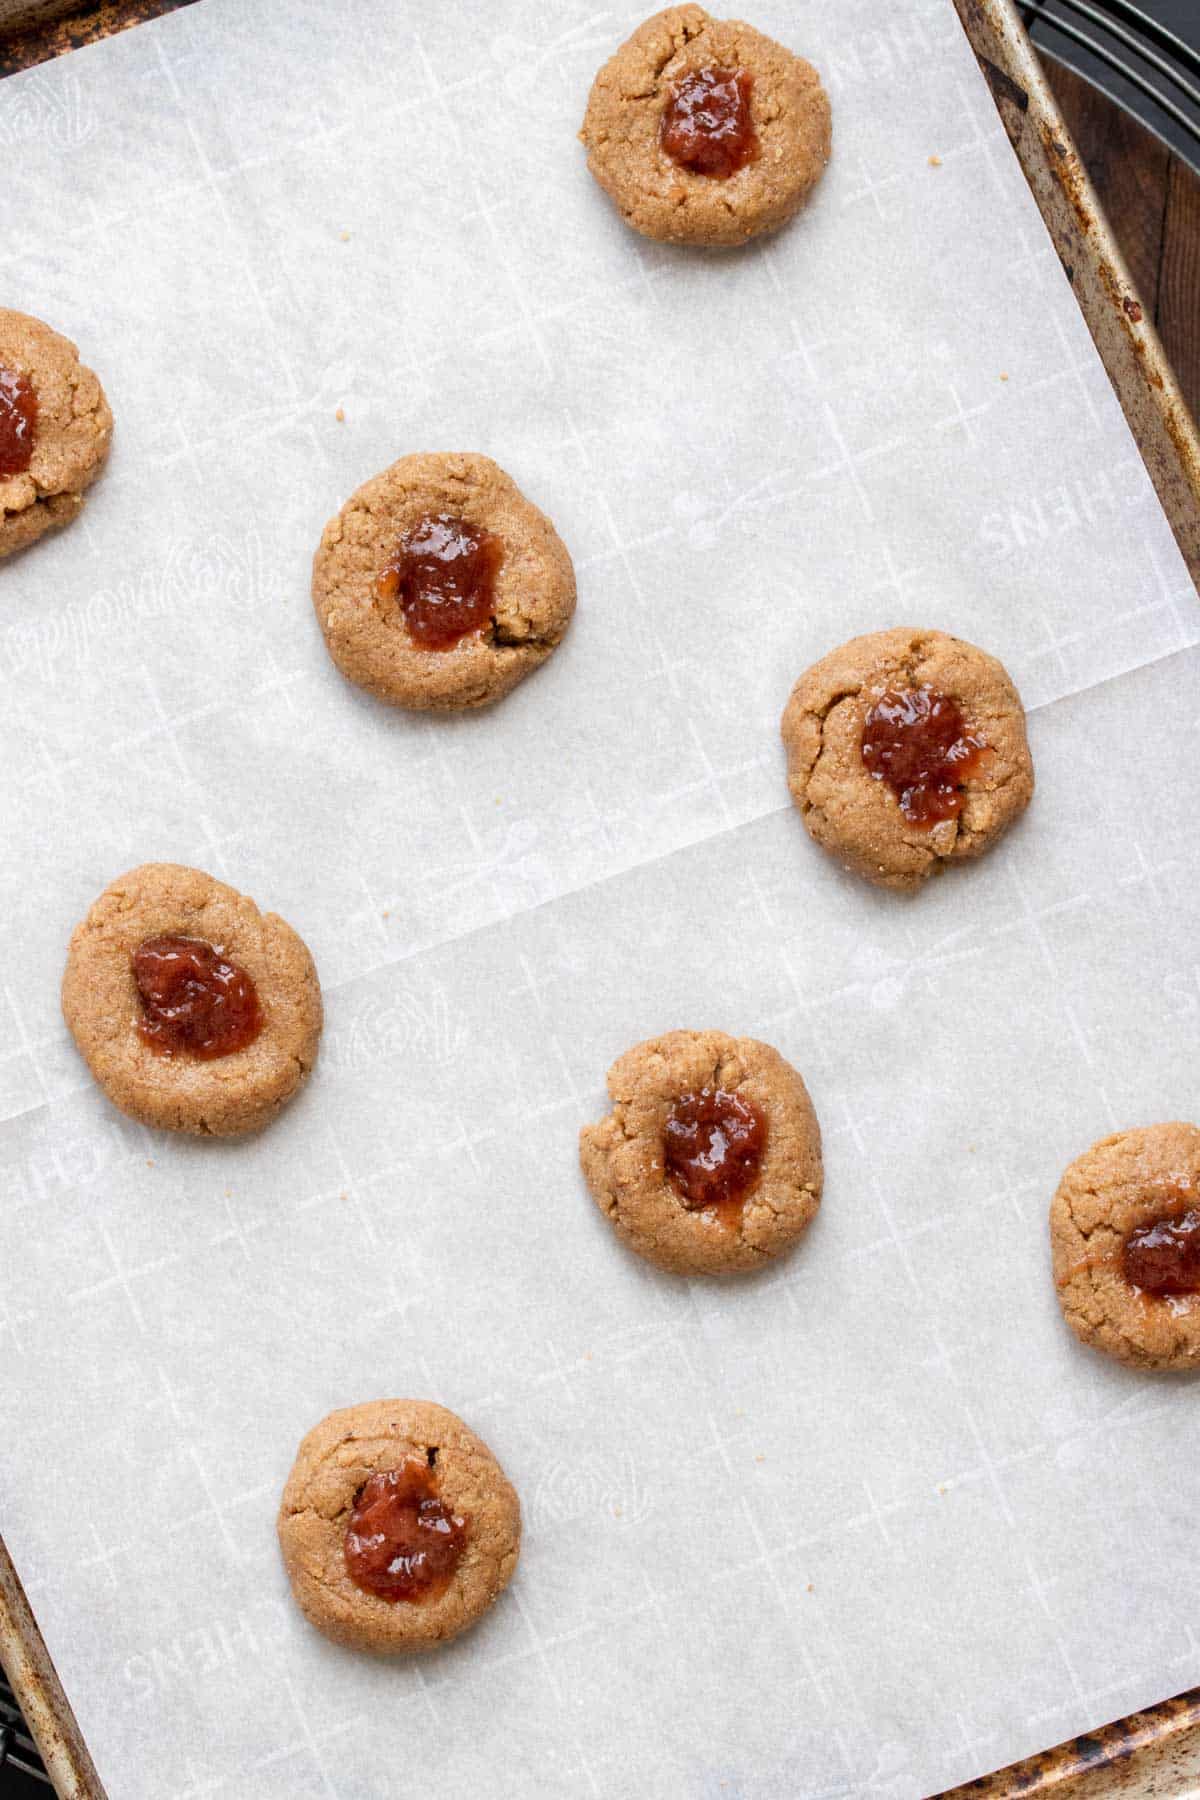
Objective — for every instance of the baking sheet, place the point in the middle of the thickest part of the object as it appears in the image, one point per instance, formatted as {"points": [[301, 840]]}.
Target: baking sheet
{"points": [[870, 1523]]}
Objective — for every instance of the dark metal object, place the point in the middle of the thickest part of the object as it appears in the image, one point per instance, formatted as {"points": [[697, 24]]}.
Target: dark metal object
{"points": [[1131, 56], [21, 1768]]}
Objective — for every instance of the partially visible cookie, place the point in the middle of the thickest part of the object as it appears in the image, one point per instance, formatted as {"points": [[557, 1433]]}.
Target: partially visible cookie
{"points": [[1125, 1242], [906, 750], [439, 586], [398, 1527], [193, 1010], [703, 131], [55, 430], [710, 1161]]}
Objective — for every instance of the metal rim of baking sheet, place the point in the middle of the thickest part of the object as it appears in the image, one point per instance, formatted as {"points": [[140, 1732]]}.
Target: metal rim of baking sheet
{"points": [[1129, 346], [1146, 1754]]}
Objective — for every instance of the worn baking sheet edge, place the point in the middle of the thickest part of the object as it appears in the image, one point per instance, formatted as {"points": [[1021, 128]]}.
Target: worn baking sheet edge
{"points": [[1129, 346], [34, 1680], [1148, 1753], [1151, 1753]]}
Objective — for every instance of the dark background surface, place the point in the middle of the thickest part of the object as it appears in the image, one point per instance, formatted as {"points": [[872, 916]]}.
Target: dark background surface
{"points": [[1150, 194], [1151, 198], [1180, 16], [13, 1741]]}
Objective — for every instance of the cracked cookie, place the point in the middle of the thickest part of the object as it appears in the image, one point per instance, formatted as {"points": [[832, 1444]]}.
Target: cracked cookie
{"points": [[55, 430], [439, 586], [906, 750], [193, 1010], [710, 1161], [703, 131], [1125, 1243], [398, 1527]]}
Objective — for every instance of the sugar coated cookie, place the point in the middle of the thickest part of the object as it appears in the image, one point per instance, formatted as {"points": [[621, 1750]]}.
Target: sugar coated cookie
{"points": [[1125, 1242], [710, 1160], [193, 1010], [55, 430], [398, 1526], [906, 750], [439, 586], [703, 131]]}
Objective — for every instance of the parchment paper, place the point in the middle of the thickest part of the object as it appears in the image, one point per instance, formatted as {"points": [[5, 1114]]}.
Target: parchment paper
{"points": [[872, 1523]]}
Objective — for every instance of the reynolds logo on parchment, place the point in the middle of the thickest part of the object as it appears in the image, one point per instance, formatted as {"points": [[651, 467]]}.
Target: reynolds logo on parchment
{"points": [[56, 112]]}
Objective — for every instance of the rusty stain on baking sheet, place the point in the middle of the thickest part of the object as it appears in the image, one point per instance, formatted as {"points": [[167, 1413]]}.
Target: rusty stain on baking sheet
{"points": [[1008, 94], [25, 47]]}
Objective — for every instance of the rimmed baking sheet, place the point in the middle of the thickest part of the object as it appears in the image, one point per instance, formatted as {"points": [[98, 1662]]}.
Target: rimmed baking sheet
{"points": [[751, 459]]}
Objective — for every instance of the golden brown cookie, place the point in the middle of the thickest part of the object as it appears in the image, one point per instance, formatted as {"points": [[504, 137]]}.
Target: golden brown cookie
{"points": [[435, 543], [55, 430], [703, 131], [1125, 1242], [906, 750], [398, 1526], [710, 1161], [193, 1010]]}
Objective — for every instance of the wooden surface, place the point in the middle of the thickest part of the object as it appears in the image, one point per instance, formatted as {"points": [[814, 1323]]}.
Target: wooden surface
{"points": [[1152, 201]]}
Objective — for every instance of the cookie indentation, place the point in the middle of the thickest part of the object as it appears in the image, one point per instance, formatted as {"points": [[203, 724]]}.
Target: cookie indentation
{"points": [[918, 742], [18, 422], [1163, 1255], [443, 578], [195, 1002], [713, 1144], [402, 1542], [707, 125]]}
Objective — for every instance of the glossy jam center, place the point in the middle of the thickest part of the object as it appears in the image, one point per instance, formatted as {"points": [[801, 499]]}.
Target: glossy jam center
{"points": [[18, 423], [706, 124], [1163, 1257], [918, 742], [713, 1147], [443, 577], [194, 1001], [401, 1542]]}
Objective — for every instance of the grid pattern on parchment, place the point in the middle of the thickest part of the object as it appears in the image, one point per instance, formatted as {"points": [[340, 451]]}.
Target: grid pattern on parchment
{"points": [[801, 1527]]}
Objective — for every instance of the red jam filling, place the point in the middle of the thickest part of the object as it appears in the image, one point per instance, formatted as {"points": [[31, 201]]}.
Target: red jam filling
{"points": [[18, 423], [713, 1145], [194, 1001], [706, 124], [918, 742], [1163, 1257], [401, 1542], [443, 577]]}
